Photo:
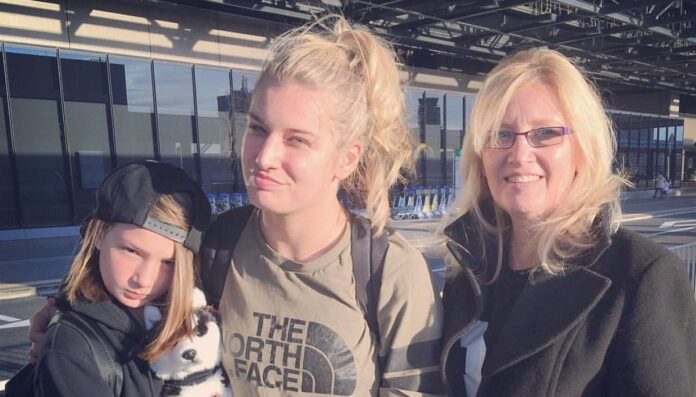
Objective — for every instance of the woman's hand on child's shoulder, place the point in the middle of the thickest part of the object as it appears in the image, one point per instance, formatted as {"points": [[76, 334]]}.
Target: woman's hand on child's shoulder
{"points": [[38, 325]]}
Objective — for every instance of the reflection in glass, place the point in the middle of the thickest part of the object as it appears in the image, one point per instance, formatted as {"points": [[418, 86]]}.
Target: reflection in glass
{"points": [[213, 104], [431, 105], [43, 180], [9, 214], [133, 109], [455, 130], [86, 95], [632, 166], [416, 125], [243, 84], [175, 115], [413, 98]]}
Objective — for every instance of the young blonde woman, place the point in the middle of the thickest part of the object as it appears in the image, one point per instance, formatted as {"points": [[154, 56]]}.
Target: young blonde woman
{"points": [[328, 113], [138, 248], [549, 295]]}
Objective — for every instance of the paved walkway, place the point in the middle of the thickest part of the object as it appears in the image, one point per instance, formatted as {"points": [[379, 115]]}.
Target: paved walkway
{"points": [[37, 265]]}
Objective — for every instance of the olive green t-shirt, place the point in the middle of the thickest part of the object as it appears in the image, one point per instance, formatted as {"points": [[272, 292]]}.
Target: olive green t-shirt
{"points": [[293, 329]]}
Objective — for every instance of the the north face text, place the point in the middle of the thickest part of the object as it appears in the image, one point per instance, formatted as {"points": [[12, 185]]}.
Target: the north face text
{"points": [[294, 355]]}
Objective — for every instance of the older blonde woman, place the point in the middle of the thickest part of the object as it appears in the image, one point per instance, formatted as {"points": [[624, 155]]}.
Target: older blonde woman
{"points": [[549, 296]]}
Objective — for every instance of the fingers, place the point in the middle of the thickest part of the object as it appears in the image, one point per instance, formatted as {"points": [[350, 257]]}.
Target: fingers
{"points": [[39, 321], [33, 354]]}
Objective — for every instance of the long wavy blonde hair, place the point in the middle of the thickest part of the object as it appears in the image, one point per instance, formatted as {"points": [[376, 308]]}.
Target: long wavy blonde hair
{"points": [[359, 71], [567, 231], [84, 279]]}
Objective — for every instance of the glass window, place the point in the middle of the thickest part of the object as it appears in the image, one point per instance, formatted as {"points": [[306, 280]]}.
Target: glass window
{"points": [[413, 98], [432, 107], [644, 137], [416, 125], [468, 106], [214, 131], [86, 102], [43, 180], [243, 84], [624, 138], [678, 176], [133, 109], [455, 130], [633, 164], [9, 214], [662, 137], [175, 115], [643, 169]]}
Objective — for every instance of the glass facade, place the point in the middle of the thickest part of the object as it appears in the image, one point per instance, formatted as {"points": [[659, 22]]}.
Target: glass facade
{"points": [[213, 108], [176, 122], [86, 109], [438, 120], [648, 145], [133, 109], [9, 208], [40, 143], [67, 118]]}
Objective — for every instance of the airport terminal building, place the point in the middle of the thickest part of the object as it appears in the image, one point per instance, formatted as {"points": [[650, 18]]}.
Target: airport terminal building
{"points": [[88, 85]]}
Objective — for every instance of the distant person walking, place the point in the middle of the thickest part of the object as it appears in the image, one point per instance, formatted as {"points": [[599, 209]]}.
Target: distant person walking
{"points": [[660, 181]]}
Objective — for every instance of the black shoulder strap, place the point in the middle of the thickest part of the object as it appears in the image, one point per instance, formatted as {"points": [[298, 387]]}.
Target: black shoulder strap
{"points": [[217, 249], [367, 253], [105, 353]]}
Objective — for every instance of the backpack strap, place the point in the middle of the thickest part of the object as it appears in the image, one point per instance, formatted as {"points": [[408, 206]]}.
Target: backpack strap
{"points": [[217, 249], [368, 253], [105, 353]]}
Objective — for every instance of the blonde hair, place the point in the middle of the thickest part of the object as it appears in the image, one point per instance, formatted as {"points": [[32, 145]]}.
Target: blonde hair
{"points": [[568, 231], [340, 59], [84, 279]]}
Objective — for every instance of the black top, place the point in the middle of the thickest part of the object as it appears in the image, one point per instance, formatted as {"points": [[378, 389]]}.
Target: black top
{"points": [[501, 300], [66, 366]]}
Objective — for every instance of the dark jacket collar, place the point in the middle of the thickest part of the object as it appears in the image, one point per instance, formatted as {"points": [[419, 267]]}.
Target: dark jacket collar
{"points": [[545, 310], [123, 328]]}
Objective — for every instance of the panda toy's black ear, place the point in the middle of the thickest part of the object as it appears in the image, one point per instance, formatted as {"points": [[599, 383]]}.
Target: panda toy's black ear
{"points": [[202, 319], [214, 313]]}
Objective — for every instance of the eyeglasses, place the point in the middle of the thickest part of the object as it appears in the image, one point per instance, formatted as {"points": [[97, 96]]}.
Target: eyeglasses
{"points": [[538, 137]]}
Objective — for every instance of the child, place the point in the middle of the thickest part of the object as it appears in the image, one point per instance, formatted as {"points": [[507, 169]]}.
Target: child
{"points": [[665, 189], [138, 247]]}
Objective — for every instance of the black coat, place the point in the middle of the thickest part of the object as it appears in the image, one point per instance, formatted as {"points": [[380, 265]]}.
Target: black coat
{"points": [[621, 321], [66, 366]]}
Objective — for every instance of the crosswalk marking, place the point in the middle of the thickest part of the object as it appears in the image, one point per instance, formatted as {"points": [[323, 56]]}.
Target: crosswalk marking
{"points": [[8, 318], [678, 224], [16, 324]]}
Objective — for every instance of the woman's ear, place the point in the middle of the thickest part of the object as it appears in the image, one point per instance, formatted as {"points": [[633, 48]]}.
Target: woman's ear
{"points": [[349, 159]]}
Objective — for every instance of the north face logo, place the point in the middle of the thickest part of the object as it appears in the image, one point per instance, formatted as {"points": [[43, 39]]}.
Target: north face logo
{"points": [[294, 355]]}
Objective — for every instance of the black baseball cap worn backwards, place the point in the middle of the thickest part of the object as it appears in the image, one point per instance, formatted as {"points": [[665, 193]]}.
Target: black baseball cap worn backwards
{"points": [[128, 193]]}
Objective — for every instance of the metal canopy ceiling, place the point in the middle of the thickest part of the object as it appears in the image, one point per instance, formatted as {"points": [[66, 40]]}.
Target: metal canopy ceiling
{"points": [[628, 46]]}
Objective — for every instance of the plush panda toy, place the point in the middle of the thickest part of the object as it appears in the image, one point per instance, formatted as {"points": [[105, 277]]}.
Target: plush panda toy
{"points": [[192, 368]]}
